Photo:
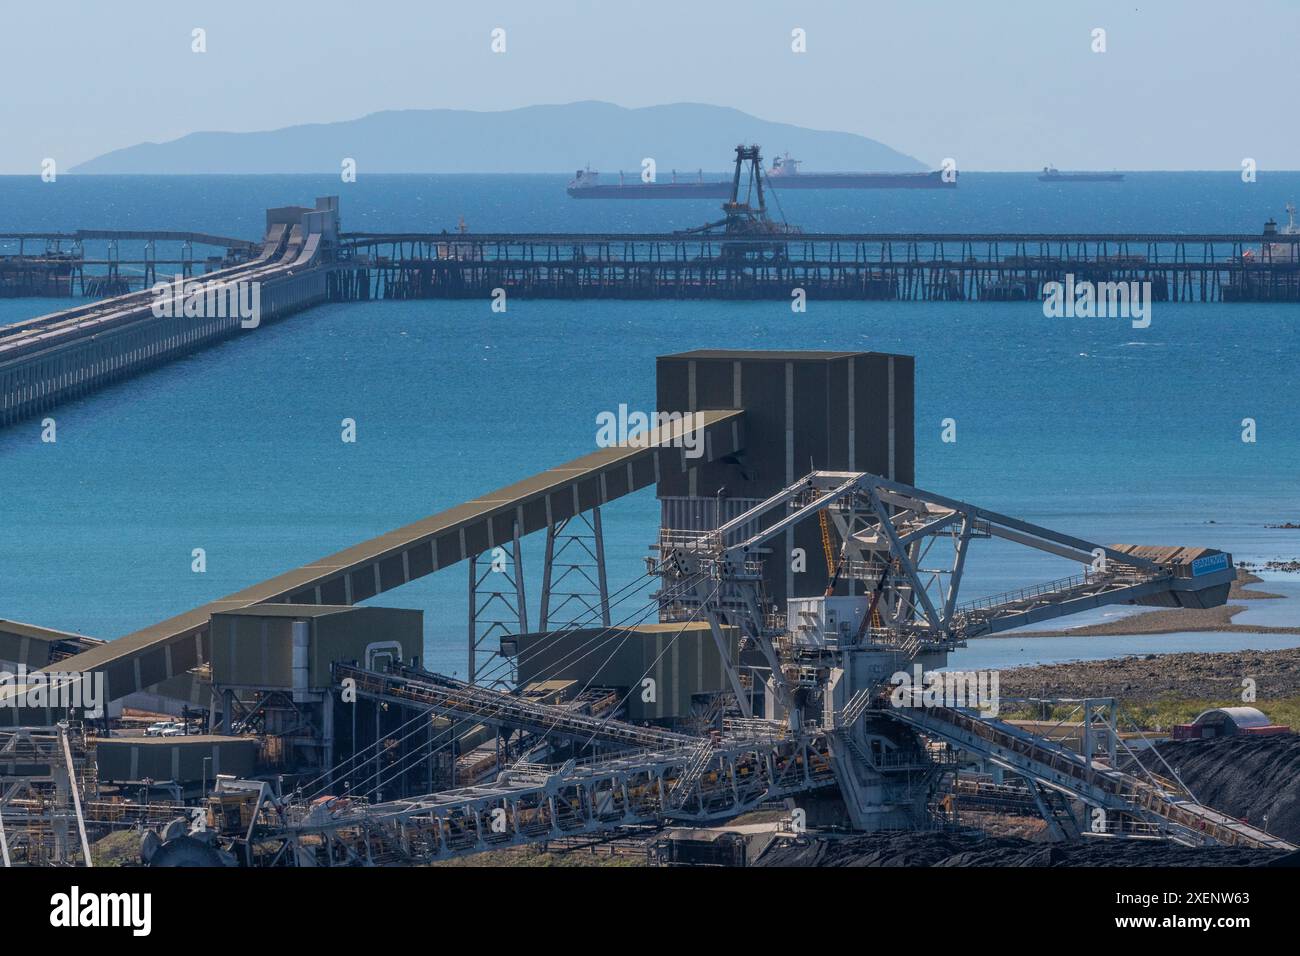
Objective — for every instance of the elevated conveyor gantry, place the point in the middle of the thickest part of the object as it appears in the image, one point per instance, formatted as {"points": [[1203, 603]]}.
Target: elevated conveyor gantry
{"points": [[702, 781], [889, 527]]}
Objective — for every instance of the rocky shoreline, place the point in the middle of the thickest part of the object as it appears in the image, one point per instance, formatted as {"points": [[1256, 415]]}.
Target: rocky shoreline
{"points": [[1146, 677], [1290, 566]]}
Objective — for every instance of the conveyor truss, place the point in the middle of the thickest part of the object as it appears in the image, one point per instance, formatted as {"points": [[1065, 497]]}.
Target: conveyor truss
{"points": [[644, 775]]}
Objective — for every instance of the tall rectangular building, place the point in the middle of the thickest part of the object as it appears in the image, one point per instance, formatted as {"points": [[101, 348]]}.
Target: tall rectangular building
{"points": [[804, 411]]}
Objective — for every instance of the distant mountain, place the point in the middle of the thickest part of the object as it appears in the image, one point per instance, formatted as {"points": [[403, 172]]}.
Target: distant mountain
{"points": [[542, 139]]}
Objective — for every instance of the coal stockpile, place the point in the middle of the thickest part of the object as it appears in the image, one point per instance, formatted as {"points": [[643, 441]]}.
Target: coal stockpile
{"points": [[967, 849], [1247, 777]]}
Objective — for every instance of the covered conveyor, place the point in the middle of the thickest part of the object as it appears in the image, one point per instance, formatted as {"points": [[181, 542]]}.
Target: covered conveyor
{"points": [[149, 656]]}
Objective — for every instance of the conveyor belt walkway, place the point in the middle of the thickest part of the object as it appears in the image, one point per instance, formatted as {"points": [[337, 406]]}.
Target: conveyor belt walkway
{"points": [[1002, 612], [452, 698], [51, 358]]}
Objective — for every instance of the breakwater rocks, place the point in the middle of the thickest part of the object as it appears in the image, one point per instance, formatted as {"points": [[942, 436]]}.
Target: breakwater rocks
{"points": [[1289, 565], [1146, 677]]}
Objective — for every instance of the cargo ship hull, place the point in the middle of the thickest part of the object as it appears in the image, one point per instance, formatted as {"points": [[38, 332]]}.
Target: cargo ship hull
{"points": [[932, 180], [721, 189], [707, 190]]}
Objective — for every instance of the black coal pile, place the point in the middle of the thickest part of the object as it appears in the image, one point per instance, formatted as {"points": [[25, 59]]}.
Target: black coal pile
{"points": [[1246, 777], [1250, 778], [973, 849]]}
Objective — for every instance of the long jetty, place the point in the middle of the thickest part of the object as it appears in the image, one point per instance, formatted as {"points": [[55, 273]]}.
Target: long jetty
{"points": [[52, 358], [59, 264], [882, 266], [305, 259]]}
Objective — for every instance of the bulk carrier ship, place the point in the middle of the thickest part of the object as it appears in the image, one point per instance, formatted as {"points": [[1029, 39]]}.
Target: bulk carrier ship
{"points": [[784, 174]]}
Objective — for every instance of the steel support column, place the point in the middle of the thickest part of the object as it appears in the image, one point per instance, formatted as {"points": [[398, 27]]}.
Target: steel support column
{"points": [[574, 586], [497, 608]]}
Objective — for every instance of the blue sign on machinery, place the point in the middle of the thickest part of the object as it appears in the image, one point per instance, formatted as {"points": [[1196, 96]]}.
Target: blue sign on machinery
{"points": [[1209, 564]]}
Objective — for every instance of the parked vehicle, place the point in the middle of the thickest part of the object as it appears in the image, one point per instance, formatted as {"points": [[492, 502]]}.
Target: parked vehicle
{"points": [[181, 729]]}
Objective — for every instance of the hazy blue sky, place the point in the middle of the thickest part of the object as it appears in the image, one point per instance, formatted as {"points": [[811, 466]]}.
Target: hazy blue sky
{"points": [[1184, 84]]}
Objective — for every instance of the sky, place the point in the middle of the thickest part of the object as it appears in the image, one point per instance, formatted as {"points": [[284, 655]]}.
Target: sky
{"points": [[999, 85]]}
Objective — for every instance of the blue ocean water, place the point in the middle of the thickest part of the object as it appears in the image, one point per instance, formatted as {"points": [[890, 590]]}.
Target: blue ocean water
{"points": [[1087, 426], [983, 202]]}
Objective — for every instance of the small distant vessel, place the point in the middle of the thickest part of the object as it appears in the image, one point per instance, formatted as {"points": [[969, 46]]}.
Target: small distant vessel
{"points": [[1288, 251], [1290, 229], [784, 174], [1259, 280], [1053, 175]]}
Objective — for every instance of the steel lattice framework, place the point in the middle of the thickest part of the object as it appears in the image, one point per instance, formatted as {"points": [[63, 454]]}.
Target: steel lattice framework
{"points": [[839, 731]]}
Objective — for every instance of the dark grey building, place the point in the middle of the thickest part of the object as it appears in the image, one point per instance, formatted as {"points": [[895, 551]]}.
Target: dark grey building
{"points": [[804, 411]]}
